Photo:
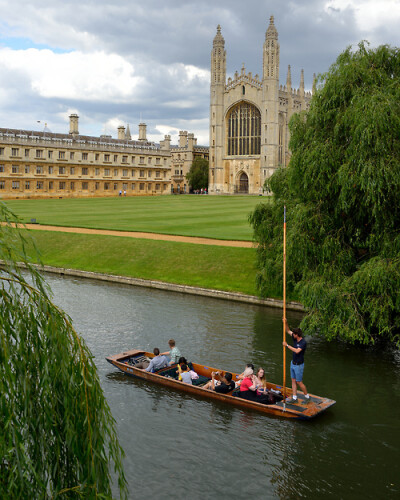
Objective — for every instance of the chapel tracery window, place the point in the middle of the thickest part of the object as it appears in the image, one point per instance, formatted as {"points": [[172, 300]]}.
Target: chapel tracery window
{"points": [[244, 130]]}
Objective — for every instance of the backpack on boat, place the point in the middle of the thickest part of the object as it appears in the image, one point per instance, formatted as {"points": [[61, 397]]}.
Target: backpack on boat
{"points": [[269, 398], [275, 397], [138, 359]]}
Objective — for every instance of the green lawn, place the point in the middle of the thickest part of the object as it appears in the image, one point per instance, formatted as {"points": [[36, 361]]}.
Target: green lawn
{"points": [[221, 268], [208, 266], [222, 217]]}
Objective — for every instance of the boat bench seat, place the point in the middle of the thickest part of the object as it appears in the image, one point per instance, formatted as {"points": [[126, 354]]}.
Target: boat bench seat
{"points": [[201, 380], [168, 372]]}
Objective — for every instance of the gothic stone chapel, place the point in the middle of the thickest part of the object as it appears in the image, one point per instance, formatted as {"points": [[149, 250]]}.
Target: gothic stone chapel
{"points": [[249, 119]]}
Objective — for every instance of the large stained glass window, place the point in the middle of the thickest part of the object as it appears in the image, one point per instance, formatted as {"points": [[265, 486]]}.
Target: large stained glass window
{"points": [[244, 130]]}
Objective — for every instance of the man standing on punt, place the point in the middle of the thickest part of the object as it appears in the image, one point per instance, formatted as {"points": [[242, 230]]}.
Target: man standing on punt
{"points": [[297, 364]]}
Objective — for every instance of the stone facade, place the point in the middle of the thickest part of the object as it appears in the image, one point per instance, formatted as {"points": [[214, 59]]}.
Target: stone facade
{"points": [[45, 165], [183, 155], [249, 118]]}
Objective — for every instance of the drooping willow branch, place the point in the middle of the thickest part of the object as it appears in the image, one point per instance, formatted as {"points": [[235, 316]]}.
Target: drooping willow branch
{"points": [[57, 434]]}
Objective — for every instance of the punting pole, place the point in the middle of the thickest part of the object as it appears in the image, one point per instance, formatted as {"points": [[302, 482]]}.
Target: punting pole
{"points": [[284, 306]]}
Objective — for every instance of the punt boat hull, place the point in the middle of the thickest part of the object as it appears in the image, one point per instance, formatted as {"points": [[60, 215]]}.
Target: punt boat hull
{"points": [[299, 411]]}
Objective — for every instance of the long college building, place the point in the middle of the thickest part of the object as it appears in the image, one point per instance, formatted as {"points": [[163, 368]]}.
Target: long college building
{"points": [[249, 119], [44, 164]]}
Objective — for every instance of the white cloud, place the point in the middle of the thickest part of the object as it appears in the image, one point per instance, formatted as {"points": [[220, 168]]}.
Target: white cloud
{"points": [[161, 131], [192, 72], [179, 104], [200, 129], [369, 14], [168, 130], [94, 76], [112, 125], [51, 22]]}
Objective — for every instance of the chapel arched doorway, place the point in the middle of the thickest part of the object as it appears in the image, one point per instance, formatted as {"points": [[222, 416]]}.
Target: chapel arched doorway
{"points": [[243, 184]]}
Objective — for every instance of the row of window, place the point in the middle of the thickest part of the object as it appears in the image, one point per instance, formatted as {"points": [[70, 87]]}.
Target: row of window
{"points": [[62, 185], [40, 153], [40, 169]]}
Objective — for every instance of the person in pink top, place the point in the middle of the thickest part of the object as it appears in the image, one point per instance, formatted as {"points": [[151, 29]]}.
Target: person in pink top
{"points": [[248, 387]]}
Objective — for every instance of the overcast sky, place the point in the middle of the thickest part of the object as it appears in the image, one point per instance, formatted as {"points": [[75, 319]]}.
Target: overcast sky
{"points": [[125, 61]]}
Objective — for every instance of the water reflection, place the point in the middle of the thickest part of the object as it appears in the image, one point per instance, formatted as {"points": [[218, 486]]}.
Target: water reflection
{"points": [[177, 444]]}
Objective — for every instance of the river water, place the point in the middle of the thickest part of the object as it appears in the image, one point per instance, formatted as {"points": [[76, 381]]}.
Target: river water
{"points": [[182, 447]]}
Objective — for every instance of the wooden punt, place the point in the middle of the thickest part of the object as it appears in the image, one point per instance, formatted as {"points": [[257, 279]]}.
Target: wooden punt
{"points": [[166, 376]]}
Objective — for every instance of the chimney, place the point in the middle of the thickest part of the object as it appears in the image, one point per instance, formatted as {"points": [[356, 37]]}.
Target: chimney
{"points": [[73, 124], [142, 132], [166, 143], [121, 133], [182, 138], [190, 141]]}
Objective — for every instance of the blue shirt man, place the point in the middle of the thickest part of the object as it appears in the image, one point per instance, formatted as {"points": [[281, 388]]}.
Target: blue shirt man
{"points": [[154, 364], [159, 361], [297, 364]]}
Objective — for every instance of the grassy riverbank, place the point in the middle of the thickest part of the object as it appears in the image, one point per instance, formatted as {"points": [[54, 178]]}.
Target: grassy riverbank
{"points": [[220, 268], [221, 217]]}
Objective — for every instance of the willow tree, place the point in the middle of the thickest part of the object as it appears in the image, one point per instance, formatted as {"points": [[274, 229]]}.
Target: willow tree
{"points": [[57, 434], [342, 191]]}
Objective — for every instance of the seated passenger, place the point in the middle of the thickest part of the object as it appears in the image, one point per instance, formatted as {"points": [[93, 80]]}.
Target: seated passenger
{"points": [[185, 374], [241, 376], [159, 361], [174, 353], [261, 382], [224, 385], [181, 362], [248, 387]]}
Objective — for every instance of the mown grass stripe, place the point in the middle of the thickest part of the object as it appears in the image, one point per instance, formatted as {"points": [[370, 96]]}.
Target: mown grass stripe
{"points": [[220, 217]]}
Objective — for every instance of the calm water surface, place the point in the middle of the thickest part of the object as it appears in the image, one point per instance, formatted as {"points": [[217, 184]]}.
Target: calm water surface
{"points": [[182, 447]]}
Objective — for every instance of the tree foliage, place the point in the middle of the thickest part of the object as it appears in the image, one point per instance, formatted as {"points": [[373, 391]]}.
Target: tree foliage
{"points": [[198, 174], [57, 434], [342, 191]]}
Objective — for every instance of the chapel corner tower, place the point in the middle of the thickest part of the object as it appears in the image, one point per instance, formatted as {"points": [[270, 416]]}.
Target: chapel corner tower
{"points": [[271, 53], [270, 131], [217, 89]]}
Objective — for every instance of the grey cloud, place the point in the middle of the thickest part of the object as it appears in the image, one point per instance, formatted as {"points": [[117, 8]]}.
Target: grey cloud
{"points": [[156, 35]]}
